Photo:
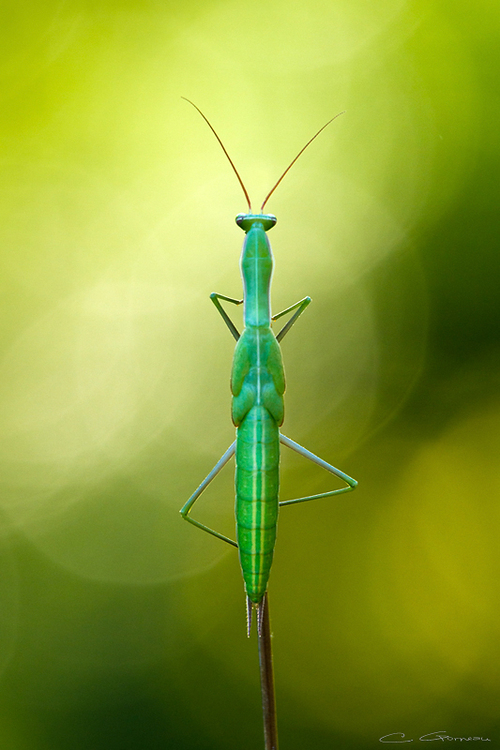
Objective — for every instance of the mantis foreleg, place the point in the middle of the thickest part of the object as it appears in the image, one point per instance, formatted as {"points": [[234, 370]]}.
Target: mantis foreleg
{"points": [[301, 305], [215, 299]]}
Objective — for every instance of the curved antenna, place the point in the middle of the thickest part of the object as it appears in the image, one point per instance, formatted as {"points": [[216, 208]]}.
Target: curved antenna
{"points": [[293, 162], [224, 149]]}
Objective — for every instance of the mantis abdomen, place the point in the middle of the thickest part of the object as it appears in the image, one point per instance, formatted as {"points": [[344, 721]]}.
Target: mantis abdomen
{"points": [[257, 383], [257, 487]]}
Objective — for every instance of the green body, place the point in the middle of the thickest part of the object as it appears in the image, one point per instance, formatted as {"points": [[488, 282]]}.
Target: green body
{"points": [[257, 384]]}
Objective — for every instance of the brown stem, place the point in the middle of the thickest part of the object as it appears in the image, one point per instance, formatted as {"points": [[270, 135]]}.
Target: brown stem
{"points": [[267, 678]]}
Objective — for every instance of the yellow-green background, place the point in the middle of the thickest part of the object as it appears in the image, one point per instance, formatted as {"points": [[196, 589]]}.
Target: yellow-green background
{"points": [[121, 627]]}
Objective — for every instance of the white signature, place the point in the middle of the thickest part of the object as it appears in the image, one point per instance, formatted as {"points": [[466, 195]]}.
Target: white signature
{"points": [[432, 736]]}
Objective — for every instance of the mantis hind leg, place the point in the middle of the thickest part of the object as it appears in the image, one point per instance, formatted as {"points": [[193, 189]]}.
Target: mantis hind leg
{"points": [[184, 511], [350, 482]]}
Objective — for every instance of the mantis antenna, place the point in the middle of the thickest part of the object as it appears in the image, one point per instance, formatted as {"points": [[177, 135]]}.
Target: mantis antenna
{"points": [[247, 197], [224, 149], [299, 154]]}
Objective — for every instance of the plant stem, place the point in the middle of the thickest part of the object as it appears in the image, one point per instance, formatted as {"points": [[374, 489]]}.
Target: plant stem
{"points": [[267, 679]]}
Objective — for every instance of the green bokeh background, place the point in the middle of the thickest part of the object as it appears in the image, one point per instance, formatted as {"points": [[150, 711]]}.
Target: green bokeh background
{"points": [[120, 626]]}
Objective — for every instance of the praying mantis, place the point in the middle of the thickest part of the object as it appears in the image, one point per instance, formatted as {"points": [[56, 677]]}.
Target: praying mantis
{"points": [[258, 385]]}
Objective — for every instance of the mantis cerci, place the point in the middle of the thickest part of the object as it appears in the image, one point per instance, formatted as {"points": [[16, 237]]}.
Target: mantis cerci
{"points": [[257, 386]]}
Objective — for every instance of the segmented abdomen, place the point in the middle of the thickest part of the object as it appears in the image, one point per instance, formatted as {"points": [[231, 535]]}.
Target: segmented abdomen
{"points": [[257, 486]]}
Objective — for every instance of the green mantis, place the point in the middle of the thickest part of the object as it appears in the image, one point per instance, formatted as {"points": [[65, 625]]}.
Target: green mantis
{"points": [[257, 386]]}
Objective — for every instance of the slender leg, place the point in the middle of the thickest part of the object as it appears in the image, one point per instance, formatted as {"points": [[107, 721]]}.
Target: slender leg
{"points": [[301, 305], [184, 511], [351, 483], [215, 299]]}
